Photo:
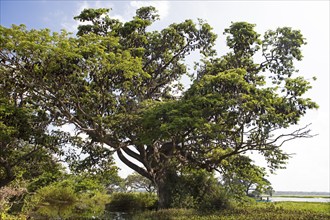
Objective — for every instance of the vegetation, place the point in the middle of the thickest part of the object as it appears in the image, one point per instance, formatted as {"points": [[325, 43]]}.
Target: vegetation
{"points": [[262, 211], [198, 189], [132, 202], [26, 148], [118, 85], [74, 197], [242, 177], [136, 182]]}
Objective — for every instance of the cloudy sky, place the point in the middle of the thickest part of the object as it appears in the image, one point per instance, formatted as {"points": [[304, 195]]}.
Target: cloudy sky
{"points": [[308, 169]]}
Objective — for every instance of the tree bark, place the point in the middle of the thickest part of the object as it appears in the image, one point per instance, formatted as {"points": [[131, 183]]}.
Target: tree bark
{"points": [[165, 180], [163, 193]]}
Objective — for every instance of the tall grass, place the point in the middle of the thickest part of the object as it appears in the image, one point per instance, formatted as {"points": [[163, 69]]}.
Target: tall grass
{"points": [[260, 211], [305, 206]]}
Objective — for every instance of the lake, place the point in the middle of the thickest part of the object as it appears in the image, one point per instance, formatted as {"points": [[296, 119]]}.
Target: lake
{"points": [[294, 199]]}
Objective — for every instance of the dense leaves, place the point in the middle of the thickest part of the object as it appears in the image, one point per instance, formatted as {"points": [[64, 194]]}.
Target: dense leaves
{"points": [[136, 182], [27, 149], [74, 197], [131, 202], [119, 84], [242, 178]]}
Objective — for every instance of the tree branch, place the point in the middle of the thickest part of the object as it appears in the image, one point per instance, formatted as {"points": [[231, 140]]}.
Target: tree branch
{"points": [[133, 166], [132, 154]]}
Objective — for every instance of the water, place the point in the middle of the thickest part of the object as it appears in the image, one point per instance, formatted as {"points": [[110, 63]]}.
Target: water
{"points": [[294, 199], [117, 216]]}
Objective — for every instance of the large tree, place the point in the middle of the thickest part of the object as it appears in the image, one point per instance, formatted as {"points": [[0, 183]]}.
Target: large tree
{"points": [[119, 84]]}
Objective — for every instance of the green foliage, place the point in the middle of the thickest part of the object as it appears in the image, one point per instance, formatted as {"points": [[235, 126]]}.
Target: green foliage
{"points": [[74, 197], [131, 202], [97, 170], [136, 182], [283, 44], [166, 214], [305, 206], [90, 205], [278, 211], [242, 178], [243, 39], [54, 201], [218, 199], [195, 188], [119, 84], [49, 175], [26, 147]]}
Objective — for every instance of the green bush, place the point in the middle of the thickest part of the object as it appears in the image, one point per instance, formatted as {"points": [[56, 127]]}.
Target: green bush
{"points": [[216, 199], [130, 202], [69, 199], [53, 202], [90, 205], [197, 189]]}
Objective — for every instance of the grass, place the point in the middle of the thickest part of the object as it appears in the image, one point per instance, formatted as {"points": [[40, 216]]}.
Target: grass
{"points": [[304, 206], [259, 211]]}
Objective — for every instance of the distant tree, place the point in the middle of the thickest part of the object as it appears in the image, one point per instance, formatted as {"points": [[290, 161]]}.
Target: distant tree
{"points": [[119, 84], [136, 182], [242, 178]]}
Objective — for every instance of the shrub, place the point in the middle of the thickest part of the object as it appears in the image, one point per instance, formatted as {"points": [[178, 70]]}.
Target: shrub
{"points": [[68, 199], [197, 189], [130, 202], [90, 205], [54, 202], [216, 199]]}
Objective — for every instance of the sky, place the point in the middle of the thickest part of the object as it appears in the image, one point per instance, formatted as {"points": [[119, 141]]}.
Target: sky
{"points": [[309, 168]]}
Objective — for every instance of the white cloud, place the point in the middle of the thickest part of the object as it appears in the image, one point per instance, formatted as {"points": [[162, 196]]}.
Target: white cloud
{"points": [[162, 6]]}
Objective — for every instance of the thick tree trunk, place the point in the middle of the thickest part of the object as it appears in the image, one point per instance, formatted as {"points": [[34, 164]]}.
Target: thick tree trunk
{"points": [[164, 183], [164, 194], [162, 179]]}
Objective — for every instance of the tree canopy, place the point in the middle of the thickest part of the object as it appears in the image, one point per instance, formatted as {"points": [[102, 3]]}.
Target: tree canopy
{"points": [[26, 149], [119, 83]]}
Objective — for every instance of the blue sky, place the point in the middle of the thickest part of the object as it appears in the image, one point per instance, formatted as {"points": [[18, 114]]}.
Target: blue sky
{"points": [[308, 170]]}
